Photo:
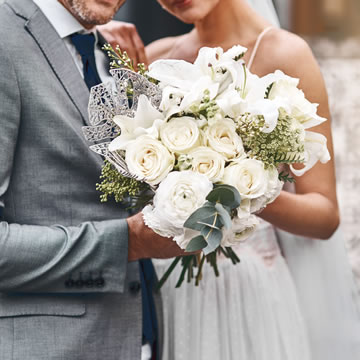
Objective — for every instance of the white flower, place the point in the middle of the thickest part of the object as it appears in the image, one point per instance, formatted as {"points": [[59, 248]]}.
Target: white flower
{"points": [[222, 137], [315, 150], [285, 88], [213, 70], [180, 135], [208, 162], [241, 229], [248, 176], [274, 187], [148, 159], [236, 52], [269, 110], [147, 120], [231, 103], [177, 197]]}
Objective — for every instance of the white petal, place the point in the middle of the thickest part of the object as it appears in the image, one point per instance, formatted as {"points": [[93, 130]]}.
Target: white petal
{"points": [[269, 109], [177, 73], [315, 150]]}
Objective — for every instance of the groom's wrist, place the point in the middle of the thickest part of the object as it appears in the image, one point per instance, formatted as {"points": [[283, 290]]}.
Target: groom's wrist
{"points": [[134, 248]]}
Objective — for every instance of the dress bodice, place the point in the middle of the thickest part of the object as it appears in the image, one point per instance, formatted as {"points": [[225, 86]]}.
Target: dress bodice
{"points": [[262, 244]]}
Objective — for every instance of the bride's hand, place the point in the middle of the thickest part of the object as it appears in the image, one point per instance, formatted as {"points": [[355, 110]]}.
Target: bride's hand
{"points": [[126, 36]]}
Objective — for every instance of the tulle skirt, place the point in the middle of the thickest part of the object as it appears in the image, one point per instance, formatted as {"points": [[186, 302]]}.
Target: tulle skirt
{"points": [[250, 312]]}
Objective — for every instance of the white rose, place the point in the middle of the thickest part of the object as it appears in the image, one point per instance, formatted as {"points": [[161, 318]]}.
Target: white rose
{"points": [[148, 159], [180, 135], [208, 162], [241, 229], [248, 176], [177, 197], [274, 187], [222, 137]]}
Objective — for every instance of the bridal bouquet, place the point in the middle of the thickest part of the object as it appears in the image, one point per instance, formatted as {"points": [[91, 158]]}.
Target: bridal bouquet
{"points": [[198, 147]]}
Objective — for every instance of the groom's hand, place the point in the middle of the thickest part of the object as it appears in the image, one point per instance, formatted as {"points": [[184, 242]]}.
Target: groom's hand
{"points": [[145, 243], [126, 36]]}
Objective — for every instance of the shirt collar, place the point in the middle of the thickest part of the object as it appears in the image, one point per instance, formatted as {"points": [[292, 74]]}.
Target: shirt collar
{"points": [[60, 18]]}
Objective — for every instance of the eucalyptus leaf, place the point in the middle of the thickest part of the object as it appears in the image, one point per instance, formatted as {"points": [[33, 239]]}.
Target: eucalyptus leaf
{"points": [[224, 216], [197, 243], [200, 214], [213, 222], [213, 238], [226, 195]]}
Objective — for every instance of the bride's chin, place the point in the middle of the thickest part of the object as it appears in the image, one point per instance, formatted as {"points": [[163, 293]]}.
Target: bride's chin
{"points": [[188, 17]]}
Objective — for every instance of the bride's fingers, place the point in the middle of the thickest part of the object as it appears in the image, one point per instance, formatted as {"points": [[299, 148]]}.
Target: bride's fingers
{"points": [[139, 48], [126, 36]]}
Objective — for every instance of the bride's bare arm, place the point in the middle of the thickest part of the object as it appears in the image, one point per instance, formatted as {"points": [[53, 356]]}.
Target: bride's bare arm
{"points": [[313, 210]]}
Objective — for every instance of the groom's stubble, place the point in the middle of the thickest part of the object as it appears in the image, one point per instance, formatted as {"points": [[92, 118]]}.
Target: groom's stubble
{"points": [[92, 12]]}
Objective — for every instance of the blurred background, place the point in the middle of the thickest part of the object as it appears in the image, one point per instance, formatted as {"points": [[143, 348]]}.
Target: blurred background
{"points": [[332, 28], [333, 18]]}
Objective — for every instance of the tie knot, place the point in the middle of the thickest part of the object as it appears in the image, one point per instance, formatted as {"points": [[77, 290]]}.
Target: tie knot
{"points": [[84, 43]]}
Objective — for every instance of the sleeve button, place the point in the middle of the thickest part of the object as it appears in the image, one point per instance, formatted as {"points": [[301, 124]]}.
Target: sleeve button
{"points": [[69, 283], [134, 287], [100, 282], [79, 283], [89, 283]]}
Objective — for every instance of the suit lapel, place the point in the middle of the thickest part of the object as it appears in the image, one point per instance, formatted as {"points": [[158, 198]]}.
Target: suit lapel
{"points": [[56, 53]]}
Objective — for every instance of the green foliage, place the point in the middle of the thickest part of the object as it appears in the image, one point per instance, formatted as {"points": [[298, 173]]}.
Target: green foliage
{"points": [[284, 145], [224, 215], [226, 195], [120, 187], [286, 177], [268, 89], [207, 108], [211, 218], [121, 59], [197, 243], [238, 57], [212, 237]]}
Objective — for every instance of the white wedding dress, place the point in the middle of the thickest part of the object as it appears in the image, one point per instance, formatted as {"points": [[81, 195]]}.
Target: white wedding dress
{"points": [[257, 310], [250, 312]]}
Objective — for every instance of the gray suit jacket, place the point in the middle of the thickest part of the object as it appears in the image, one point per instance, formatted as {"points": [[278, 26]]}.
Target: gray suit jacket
{"points": [[67, 290]]}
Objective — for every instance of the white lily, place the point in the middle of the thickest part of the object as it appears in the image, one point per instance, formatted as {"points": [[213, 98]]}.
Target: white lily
{"points": [[315, 150], [147, 121], [285, 88], [269, 110], [211, 66]]}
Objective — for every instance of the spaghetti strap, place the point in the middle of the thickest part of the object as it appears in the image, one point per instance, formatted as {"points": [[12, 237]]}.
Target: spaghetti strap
{"points": [[257, 44]]}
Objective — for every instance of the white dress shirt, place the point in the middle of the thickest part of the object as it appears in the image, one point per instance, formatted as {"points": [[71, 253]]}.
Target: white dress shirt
{"points": [[65, 25]]}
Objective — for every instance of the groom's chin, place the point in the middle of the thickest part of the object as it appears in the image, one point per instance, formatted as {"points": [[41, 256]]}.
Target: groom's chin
{"points": [[93, 12]]}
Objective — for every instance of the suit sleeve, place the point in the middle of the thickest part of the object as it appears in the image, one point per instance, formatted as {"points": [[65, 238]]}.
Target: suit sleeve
{"points": [[88, 258]]}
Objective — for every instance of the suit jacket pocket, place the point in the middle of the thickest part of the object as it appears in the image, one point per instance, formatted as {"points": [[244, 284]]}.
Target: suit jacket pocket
{"points": [[13, 305]]}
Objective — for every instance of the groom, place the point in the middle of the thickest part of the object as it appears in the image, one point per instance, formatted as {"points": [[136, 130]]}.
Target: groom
{"points": [[70, 283]]}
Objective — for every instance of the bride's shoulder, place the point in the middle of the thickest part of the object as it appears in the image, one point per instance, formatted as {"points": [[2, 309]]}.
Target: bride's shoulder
{"points": [[161, 49], [291, 54], [281, 49]]}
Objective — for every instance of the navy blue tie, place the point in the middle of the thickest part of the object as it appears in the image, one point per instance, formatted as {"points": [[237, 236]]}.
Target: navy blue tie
{"points": [[85, 45]]}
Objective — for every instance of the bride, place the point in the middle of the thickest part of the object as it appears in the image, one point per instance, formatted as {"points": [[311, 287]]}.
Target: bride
{"points": [[253, 311]]}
